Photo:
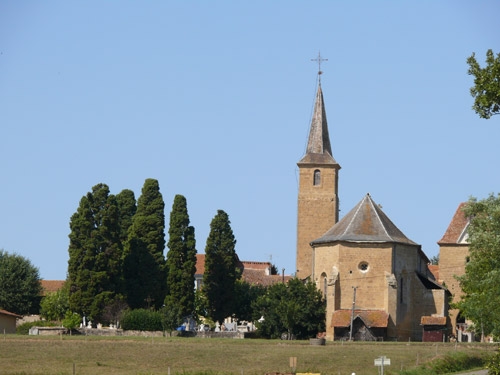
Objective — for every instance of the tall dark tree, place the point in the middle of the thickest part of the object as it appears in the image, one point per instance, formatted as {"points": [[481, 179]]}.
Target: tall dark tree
{"points": [[95, 254], [181, 260], [221, 268], [144, 267], [20, 287], [127, 207]]}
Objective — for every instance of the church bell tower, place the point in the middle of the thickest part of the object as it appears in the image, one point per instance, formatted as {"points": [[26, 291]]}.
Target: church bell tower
{"points": [[318, 202]]}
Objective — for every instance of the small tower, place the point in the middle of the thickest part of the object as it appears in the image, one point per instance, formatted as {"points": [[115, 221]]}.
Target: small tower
{"points": [[318, 202]]}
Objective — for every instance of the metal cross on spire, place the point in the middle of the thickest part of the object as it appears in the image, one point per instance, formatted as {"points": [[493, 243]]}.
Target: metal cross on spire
{"points": [[319, 60]]}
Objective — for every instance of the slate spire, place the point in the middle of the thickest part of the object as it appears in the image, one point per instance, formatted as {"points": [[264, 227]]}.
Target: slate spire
{"points": [[319, 149]]}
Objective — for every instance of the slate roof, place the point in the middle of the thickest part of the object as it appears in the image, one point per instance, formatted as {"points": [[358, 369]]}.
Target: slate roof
{"points": [[366, 222], [371, 318], [454, 235], [319, 149]]}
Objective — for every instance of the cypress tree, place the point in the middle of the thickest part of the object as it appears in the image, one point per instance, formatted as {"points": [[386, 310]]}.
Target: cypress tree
{"points": [[95, 253], [127, 206], [181, 260], [221, 268], [144, 266]]}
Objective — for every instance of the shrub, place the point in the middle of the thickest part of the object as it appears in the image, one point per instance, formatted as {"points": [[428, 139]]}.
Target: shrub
{"points": [[493, 364], [24, 329], [141, 320], [450, 363]]}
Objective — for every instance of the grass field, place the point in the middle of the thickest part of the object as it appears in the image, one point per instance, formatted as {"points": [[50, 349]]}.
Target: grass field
{"points": [[125, 355]]}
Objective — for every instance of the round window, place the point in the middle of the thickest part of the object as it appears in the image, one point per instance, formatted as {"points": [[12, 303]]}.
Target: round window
{"points": [[363, 266]]}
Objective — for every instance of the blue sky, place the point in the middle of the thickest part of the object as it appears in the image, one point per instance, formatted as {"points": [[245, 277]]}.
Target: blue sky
{"points": [[214, 99]]}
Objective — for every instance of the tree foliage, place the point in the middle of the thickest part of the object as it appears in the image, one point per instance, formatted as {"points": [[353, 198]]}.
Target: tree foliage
{"points": [[144, 267], [55, 304], [481, 281], [246, 295], [127, 207], [221, 268], [20, 286], [142, 320], [71, 320], [181, 261], [95, 253], [486, 89], [295, 308]]}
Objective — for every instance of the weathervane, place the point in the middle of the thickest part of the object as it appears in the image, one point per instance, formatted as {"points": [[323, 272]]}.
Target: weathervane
{"points": [[319, 60]]}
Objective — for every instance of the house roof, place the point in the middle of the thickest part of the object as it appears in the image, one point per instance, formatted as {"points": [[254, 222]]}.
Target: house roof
{"points": [[49, 286], [319, 149], [256, 273], [371, 318], [434, 268], [5, 312], [366, 222], [456, 233], [200, 264], [433, 320], [259, 277]]}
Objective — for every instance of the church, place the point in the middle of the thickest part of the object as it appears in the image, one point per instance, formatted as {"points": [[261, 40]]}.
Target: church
{"points": [[376, 281]]}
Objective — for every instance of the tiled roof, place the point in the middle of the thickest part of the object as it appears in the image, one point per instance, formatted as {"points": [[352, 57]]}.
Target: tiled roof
{"points": [[371, 318], [259, 277], [366, 222], [256, 265], [457, 228], [49, 286], [253, 272], [5, 312], [433, 320], [319, 149], [200, 264], [434, 268]]}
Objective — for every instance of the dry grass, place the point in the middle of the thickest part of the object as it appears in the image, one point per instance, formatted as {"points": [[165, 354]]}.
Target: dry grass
{"points": [[119, 355]]}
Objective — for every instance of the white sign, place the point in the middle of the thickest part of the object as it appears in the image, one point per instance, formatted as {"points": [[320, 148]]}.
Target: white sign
{"points": [[382, 361]]}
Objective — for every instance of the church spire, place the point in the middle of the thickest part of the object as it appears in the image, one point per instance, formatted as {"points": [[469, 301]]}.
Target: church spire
{"points": [[319, 140], [319, 149], [318, 202]]}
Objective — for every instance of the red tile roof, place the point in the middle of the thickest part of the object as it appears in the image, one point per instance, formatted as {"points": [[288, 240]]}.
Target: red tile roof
{"points": [[253, 272], [49, 286], [259, 277], [200, 264], [456, 228], [434, 268], [371, 318], [433, 320]]}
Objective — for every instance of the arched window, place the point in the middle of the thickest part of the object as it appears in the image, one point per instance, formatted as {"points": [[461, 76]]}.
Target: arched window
{"points": [[324, 284], [317, 177]]}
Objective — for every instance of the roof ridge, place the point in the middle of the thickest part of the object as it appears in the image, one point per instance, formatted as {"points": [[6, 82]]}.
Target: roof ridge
{"points": [[348, 226], [375, 208]]}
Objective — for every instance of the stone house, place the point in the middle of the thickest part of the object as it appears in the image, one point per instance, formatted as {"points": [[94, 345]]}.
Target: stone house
{"points": [[376, 281], [453, 256]]}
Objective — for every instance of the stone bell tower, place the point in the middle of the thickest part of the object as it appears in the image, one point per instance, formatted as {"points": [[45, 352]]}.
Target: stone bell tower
{"points": [[318, 202]]}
